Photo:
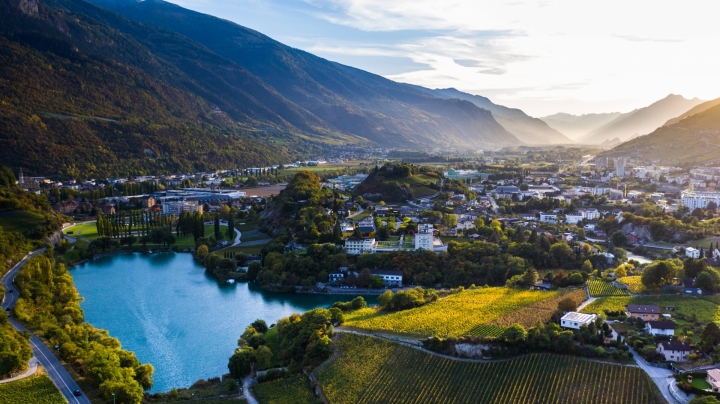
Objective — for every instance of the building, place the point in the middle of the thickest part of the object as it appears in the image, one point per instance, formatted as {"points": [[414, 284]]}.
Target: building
{"points": [[176, 208], [391, 277], [713, 377], [366, 225], [573, 218], [575, 320], [674, 351], [692, 252], [620, 164], [424, 237], [694, 200], [66, 206], [660, 328], [357, 246], [645, 312], [690, 288], [548, 217]]}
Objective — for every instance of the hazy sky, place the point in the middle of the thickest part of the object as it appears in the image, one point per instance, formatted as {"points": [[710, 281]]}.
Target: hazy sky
{"points": [[542, 56]]}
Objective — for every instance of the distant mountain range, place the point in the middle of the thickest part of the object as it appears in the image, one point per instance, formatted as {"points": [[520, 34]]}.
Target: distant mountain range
{"points": [[695, 110], [526, 128], [692, 140], [576, 126], [640, 121]]}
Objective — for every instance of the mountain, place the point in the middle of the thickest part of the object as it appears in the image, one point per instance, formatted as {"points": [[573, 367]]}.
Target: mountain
{"points": [[348, 100], [526, 128], [695, 110], [640, 121], [694, 140], [575, 126]]}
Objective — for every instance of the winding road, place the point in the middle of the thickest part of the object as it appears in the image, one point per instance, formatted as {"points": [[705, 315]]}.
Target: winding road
{"points": [[43, 354]]}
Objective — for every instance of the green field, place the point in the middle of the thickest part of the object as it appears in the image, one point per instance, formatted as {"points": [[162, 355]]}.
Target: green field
{"points": [[294, 390], [481, 311], [20, 221], [704, 309], [85, 230], [36, 390], [598, 287], [371, 370]]}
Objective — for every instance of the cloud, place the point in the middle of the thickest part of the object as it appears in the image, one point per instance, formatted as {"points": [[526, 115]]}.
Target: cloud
{"points": [[641, 39]]}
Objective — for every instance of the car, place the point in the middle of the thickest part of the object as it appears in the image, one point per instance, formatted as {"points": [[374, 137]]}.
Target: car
{"points": [[77, 393], [7, 309]]}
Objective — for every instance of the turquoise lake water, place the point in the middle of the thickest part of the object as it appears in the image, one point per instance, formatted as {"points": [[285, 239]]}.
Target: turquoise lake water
{"points": [[171, 314]]}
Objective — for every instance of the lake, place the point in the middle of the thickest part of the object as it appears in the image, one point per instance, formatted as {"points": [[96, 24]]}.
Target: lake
{"points": [[171, 314]]}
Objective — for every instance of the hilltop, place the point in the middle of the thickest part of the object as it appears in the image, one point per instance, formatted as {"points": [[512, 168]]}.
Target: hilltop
{"points": [[640, 121], [695, 139], [400, 182], [695, 110]]}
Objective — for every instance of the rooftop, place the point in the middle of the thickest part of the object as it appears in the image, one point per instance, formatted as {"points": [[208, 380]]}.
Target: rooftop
{"points": [[639, 308], [579, 317], [675, 346], [662, 325]]}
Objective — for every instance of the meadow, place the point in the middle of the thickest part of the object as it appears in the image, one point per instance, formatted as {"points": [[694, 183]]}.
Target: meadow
{"points": [[372, 370], [36, 389], [480, 311], [294, 390], [599, 287], [21, 221]]}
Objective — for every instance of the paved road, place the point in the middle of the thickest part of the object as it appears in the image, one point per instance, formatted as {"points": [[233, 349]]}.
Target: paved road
{"points": [[44, 355], [32, 368], [659, 376]]}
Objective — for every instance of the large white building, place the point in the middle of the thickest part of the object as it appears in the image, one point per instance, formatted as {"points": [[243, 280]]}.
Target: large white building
{"points": [[424, 237], [175, 208], [357, 246], [575, 320], [694, 200], [391, 277]]}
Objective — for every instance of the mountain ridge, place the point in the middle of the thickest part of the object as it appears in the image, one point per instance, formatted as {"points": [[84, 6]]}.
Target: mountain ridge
{"points": [[575, 126]]}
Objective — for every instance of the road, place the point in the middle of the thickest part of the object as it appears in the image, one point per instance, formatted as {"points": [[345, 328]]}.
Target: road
{"points": [[659, 376], [44, 355], [360, 210]]}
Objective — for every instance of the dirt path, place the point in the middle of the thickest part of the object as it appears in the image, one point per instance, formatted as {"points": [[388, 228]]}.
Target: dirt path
{"points": [[248, 381]]}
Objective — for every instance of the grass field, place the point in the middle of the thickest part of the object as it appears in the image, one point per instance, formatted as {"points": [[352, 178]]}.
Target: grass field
{"points": [[294, 390], [20, 221], [634, 284], [85, 230], [371, 370], [36, 390], [422, 191], [598, 287], [481, 311], [703, 309]]}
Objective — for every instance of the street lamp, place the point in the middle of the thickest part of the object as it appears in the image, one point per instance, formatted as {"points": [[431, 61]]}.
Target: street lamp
{"points": [[113, 394]]}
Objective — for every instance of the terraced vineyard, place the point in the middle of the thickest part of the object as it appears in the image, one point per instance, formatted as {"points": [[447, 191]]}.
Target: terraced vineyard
{"points": [[36, 389], [294, 390], [598, 288], [704, 309], [371, 370], [634, 283], [481, 311]]}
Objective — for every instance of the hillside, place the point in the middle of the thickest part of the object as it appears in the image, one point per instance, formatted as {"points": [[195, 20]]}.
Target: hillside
{"points": [[398, 183], [695, 110], [640, 121], [346, 99], [695, 139], [373, 370], [526, 128], [575, 126]]}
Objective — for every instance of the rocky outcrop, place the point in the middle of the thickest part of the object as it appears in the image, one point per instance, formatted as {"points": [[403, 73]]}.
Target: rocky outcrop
{"points": [[29, 7], [643, 232], [54, 238]]}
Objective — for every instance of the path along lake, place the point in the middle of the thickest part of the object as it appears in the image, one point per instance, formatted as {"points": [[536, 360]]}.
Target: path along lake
{"points": [[171, 314]]}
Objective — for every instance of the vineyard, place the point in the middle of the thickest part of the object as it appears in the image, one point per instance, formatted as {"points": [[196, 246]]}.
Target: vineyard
{"points": [[36, 390], [371, 370], [294, 390], [634, 284], [481, 311], [600, 288], [702, 309]]}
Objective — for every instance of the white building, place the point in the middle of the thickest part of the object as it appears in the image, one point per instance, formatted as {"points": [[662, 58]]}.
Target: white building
{"points": [[660, 328], [692, 252], [466, 225], [391, 277], [357, 246], [175, 208], [575, 320], [548, 217], [674, 351], [591, 213], [573, 218], [424, 237], [694, 200], [713, 377]]}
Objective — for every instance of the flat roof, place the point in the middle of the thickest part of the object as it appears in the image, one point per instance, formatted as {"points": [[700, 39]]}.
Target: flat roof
{"points": [[579, 317]]}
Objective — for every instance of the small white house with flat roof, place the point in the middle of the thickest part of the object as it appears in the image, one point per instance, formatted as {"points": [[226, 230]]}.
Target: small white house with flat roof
{"points": [[575, 320]]}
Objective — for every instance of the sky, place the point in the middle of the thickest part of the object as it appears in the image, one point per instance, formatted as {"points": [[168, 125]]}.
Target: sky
{"points": [[541, 56]]}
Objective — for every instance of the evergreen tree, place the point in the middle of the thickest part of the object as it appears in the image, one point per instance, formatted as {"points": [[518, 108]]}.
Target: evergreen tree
{"points": [[218, 235], [231, 225]]}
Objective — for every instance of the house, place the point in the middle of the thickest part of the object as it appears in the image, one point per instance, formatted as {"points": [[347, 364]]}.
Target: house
{"points": [[381, 210], [66, 206], [645, 312], [575, 320], [692, 252], [589, 227], [147, 201], [465, 225], [391, 277], [358, 246], [366, 225], [713, 377], [333, 278], [541, 286], [548, 217], [660, 328], [675, 351], [573, 218], [690, 288]]}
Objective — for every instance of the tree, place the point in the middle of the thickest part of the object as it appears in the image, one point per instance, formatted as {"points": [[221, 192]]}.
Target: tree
{"points": [[703, 400], [260, 326], [659, 273], [450, 220], [618, 238], [581, 234], [364, 278], [620, 272], [358, 303], [385, 298], [563, 254], [240, 363], [231, 226], [218, 235], [567, 304], [337, 232], [711, 331], [515, 333], [587, 267], [263, 357], [144, 375], [530, 277]]}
